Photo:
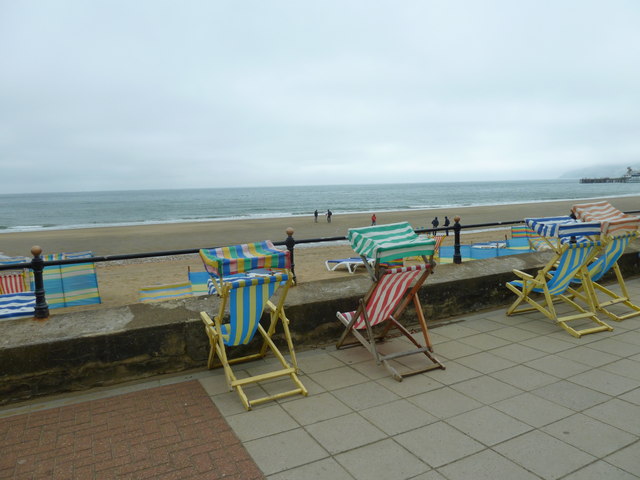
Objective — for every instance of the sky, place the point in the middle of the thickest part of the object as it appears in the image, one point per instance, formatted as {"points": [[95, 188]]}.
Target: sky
{"points": [[119, 95]]}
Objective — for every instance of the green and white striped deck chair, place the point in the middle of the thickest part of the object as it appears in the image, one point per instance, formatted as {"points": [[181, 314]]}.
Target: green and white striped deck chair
{"points": [[553, 282], [389, 243], [392, 291], [246, 297]]}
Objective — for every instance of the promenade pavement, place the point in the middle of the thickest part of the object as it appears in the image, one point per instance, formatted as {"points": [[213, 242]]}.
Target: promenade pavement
{"points": [[519, 399]]}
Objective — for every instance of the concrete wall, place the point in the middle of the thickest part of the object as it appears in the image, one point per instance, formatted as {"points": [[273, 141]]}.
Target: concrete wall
{"points": [[81, 350]]}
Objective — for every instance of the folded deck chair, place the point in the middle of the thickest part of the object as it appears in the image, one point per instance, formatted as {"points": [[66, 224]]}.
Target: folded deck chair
{"points": [[17, 305], [386, 300], [618, 230], [393, 289], [246, 297], [351, 263], [552, 283]]}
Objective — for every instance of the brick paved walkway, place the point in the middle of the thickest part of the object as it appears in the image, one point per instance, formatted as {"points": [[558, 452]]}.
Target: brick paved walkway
{"points": [[170, 432]]}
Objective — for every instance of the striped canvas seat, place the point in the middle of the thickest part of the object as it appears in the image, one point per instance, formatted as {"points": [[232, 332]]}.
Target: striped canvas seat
{"points": [[553, 282], [555, 231], [613, 221], [70, 285], [386, 301], [605, 298], [618, 230], [17, 305], [13, 282], [385, 243], [244, 296]]}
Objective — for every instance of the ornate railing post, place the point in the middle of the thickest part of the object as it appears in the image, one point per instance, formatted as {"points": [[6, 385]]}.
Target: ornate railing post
{"points": [[291, 243], [37, 264], [457, 258]]}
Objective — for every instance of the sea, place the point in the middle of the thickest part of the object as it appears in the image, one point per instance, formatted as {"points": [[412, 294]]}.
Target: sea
{"points": [[54, 211]]}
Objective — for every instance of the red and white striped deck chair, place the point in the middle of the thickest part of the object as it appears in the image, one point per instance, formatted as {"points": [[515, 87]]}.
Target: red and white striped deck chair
{"points": [[386, 300], [13, 282]]}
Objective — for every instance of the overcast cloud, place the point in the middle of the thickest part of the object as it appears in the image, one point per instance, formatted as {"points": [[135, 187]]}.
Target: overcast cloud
{"points": [[109, 95]]}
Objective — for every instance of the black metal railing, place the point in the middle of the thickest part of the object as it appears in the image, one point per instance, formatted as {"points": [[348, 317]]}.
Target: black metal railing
{"points": [[37, 264]]}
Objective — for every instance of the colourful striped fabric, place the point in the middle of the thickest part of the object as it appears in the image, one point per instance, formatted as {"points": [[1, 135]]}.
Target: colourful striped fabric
{"points": [[242, 258], [574, 256], [385, 298], [159, 293], [562, 227], [13, 282], [13, 260], [522, 231], [199, 282], [17, 305], [613, 250], [385, 243], [247, 298], [613, 220], [70, 285]]}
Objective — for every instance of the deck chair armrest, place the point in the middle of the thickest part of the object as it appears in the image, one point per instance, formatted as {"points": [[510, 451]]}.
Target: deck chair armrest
{"points": [[523, 275]]}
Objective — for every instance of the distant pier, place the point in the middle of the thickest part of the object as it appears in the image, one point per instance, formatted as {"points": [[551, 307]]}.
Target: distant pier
{"points": [[606, 180]]}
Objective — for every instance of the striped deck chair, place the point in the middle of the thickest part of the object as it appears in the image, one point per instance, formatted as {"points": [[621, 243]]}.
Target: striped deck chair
{"points": [[553, 283], [14, 282], [553, 232], [613, 220], [386, 300], [618, 230], [71, 285], [388, 243], [17, 305], [246, 298]]}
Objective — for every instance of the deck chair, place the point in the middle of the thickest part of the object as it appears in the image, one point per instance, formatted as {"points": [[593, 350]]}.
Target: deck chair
{"points": [[618, 230], [385, 301], [393, 289], [553, 282], [14, 282], [246, 296]]}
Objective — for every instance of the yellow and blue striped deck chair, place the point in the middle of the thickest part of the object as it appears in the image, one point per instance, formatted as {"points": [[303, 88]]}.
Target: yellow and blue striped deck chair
{"points": [[245, 297], [553, 282], [618, 230]]}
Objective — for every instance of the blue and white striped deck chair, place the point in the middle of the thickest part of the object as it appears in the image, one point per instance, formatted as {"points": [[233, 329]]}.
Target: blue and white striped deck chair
{"points": [[608, 261], [553, 282], [17, 305], [555, 231], [618, 229], [246, 298]]}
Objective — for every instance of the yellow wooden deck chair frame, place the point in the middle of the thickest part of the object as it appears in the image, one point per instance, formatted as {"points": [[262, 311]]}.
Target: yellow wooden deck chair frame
{"points": [[552, 283], [244, 296], [604, 297]]}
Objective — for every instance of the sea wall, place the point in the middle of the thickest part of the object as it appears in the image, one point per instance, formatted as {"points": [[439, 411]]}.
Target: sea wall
{"points": [[81, 350]]}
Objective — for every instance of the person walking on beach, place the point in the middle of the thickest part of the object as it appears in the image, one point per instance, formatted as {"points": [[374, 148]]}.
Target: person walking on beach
{"points": [[373, 219], [435, 224], [446, 225], [329, 213], [315, 215]]}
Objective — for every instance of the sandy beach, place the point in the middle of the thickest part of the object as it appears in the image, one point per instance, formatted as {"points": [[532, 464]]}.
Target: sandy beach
{"points": [[120, 281]]}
